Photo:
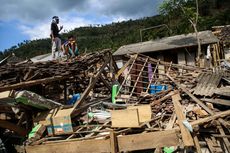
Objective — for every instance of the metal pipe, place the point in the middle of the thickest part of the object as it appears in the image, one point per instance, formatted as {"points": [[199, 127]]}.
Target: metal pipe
{"points": [[165, 25]]}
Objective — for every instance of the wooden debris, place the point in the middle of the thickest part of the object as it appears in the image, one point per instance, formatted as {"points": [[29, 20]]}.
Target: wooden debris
{"points": [[158, 104], [186, 136]]}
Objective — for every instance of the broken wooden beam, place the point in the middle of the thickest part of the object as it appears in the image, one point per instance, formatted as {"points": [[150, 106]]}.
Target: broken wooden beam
{"points": [[186, 135], [31, 83], [210, 118], [217, 101]]}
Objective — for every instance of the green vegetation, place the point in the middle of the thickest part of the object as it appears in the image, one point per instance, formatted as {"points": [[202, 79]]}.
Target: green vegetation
{"points": [[94, 38]]}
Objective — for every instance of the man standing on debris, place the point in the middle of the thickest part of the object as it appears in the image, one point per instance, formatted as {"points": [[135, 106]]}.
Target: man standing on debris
{"points": [[55, 37]]}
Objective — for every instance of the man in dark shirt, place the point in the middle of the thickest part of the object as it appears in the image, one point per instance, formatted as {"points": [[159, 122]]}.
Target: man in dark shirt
{"points": [[56, 41]]}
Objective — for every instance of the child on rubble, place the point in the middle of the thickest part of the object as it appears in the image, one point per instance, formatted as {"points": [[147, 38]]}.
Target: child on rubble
{"points": [[70, 47]]}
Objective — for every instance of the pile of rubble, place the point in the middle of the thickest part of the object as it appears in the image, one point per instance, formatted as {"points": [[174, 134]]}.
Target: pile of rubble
{"points": [[146, 105], [223, 33]]}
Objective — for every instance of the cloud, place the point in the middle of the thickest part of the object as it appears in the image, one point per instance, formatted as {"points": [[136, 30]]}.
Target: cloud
{"points": [[36, 10], [39, 10], [43, 29], [126, 8]]}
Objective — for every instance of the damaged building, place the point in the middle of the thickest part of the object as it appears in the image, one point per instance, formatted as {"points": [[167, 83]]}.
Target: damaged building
{"points": [[180, 49]]}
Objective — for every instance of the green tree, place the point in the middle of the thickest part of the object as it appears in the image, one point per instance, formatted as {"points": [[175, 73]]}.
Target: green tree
{"points": [[188, 10]]}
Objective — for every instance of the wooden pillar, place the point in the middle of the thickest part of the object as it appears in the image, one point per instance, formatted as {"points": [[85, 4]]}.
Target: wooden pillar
{"points": [[190, 58], [181, 59], [139, 83], [161, 68]]}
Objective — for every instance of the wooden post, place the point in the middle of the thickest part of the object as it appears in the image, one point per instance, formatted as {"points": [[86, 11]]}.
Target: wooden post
{"points": [[161, 68], [113, 142]]}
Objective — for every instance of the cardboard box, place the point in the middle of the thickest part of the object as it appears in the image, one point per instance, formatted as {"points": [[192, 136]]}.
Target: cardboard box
{"points": [[62, 123], [57, 122], [45, 118]]}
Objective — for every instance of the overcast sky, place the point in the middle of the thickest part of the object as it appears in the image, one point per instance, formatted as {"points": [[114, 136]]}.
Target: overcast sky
{"points": [[30, 19]]}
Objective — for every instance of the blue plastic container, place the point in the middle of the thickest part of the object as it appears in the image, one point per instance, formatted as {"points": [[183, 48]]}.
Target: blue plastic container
{"points": [[157, 88], [152, 89]]}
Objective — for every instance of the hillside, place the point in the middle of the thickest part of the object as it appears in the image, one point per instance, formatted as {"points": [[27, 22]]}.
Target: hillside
{"points": [[114, 35]]}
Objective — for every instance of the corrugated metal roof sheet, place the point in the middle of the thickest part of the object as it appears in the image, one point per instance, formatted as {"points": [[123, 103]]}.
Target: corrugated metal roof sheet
{"points": [[45, 57], [173, 42], [207, 83]]}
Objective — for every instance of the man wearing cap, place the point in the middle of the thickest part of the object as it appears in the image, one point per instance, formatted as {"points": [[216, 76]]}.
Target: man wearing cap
{"points": [[55, 37]]}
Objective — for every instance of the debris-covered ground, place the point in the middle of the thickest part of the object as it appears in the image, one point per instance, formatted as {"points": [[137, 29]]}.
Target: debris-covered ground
{"points": [[89, 105]]}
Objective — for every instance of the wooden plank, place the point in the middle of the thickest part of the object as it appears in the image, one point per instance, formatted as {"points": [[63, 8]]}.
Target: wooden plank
{"points": [[31, 83], [161, 68], [210, 145], [147, 140], [153, 76], [144, 112], [5, 97], [106, 83], [125, 143], [217, 101], [158, 101], [221, 136], [196, 142], [171, 122], [125, 118], [186, 136], [4, 94], [210, 118], [113, 142], [86, 146]]}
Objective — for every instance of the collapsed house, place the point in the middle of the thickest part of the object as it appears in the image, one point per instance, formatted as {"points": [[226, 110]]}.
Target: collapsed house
{"points": [[89, 105]]}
